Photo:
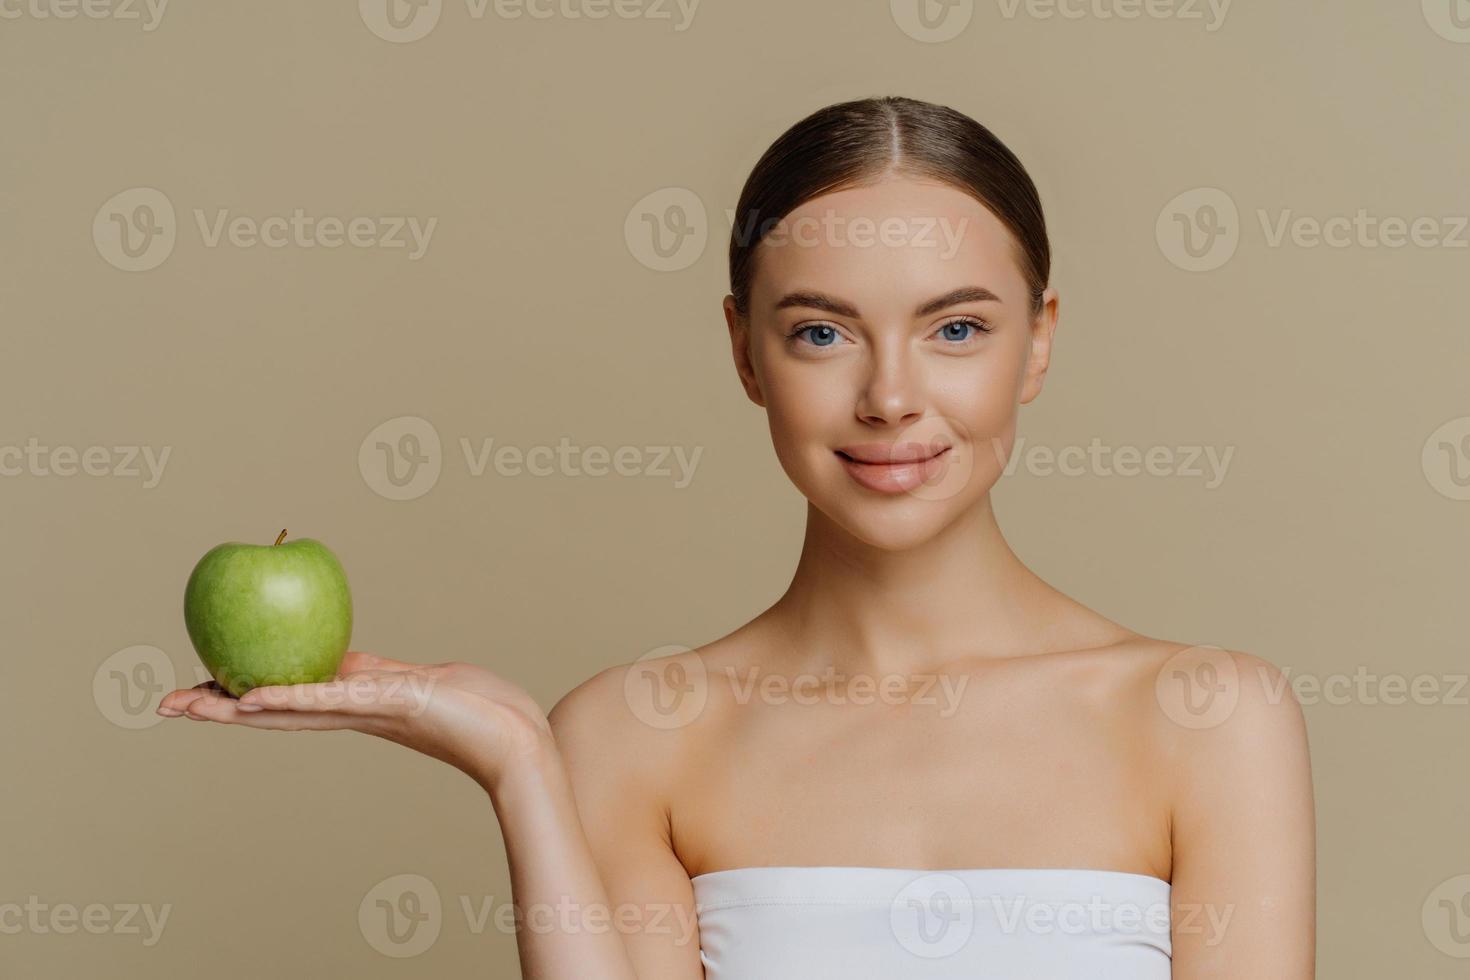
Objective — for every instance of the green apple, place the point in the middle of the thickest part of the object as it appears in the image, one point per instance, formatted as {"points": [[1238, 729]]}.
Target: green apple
{"points": [[269, 614]]}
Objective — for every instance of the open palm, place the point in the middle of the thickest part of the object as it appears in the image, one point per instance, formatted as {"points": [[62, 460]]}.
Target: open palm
{"points": [[460, 713]]}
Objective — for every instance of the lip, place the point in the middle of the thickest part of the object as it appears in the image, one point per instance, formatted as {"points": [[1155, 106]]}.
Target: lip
{"points": [[892, 452], [893, 467]]}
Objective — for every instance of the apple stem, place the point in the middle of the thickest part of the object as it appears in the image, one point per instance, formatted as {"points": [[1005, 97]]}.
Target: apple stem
{"points": [[281, 537]]}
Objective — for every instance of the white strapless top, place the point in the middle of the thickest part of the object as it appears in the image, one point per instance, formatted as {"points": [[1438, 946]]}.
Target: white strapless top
{"points": [[854, 923]]}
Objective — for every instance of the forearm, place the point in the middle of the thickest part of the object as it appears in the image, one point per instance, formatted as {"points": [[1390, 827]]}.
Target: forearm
{"points": [[562, 912]]}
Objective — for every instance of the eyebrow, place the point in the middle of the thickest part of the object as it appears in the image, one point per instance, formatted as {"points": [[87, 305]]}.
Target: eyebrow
{"points": [[821, 301]]}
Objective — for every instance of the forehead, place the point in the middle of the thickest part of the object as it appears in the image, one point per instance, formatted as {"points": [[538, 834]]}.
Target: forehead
{"points": [[887, 247]]}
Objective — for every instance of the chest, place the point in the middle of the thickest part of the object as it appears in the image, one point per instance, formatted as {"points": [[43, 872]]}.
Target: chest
{"points": [[966, 783]]}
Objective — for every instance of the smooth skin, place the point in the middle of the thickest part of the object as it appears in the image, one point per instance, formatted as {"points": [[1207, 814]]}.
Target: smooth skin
{"points": [[1058, 745]]}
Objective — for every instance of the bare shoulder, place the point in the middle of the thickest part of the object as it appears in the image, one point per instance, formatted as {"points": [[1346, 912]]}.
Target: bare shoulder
{"points": [[622, 757], [1230, 743], [619, 710], [1204, 688], [1191, 687], [1210, 713], [1205, 732], [638, 719], [623, 762]]}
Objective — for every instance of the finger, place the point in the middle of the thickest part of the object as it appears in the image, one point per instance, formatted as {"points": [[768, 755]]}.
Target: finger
{"points": [[210, 706], [361, 693], [225, 710], [175, 703]]}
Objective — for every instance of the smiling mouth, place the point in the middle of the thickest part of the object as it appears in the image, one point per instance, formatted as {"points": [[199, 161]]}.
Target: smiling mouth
{"points": [[895, 468], [898, 457]]}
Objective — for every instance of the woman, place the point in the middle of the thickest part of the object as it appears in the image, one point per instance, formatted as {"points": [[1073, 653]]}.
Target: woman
{"points": [[922, 760]]}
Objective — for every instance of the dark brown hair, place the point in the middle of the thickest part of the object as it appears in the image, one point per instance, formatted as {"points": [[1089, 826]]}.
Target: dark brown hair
{"points": [[850, 144]]}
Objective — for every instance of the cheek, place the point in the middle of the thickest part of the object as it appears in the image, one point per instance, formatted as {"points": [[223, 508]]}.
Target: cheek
{"points": [[804, 410], [805, 405], [981, 393]]}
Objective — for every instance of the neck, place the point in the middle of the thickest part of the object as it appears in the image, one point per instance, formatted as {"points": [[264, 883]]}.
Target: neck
{"points": [[963, 594]]}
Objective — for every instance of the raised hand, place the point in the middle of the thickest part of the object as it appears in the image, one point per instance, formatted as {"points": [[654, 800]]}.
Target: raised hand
{"points": [[459, 713]]}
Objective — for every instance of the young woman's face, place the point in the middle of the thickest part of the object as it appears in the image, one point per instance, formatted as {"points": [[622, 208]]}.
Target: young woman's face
{"points": [[891, 342]]}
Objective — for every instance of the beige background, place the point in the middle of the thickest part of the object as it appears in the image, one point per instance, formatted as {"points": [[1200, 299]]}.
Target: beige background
{"points": [[1329, 548]]}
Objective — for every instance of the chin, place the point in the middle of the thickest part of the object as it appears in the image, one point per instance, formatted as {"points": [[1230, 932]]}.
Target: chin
{"points": [[893, 520], [894, 524]]}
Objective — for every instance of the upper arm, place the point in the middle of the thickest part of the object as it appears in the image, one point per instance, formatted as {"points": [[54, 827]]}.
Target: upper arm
{"points": [[1243, 825], [613, 761]]}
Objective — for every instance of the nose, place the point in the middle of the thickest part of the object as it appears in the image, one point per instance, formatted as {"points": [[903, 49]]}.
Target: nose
{"points": [[891, 394]]}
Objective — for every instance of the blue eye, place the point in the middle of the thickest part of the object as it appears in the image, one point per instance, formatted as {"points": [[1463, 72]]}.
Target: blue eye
{"points": [[963, 329], [821, 334]]}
